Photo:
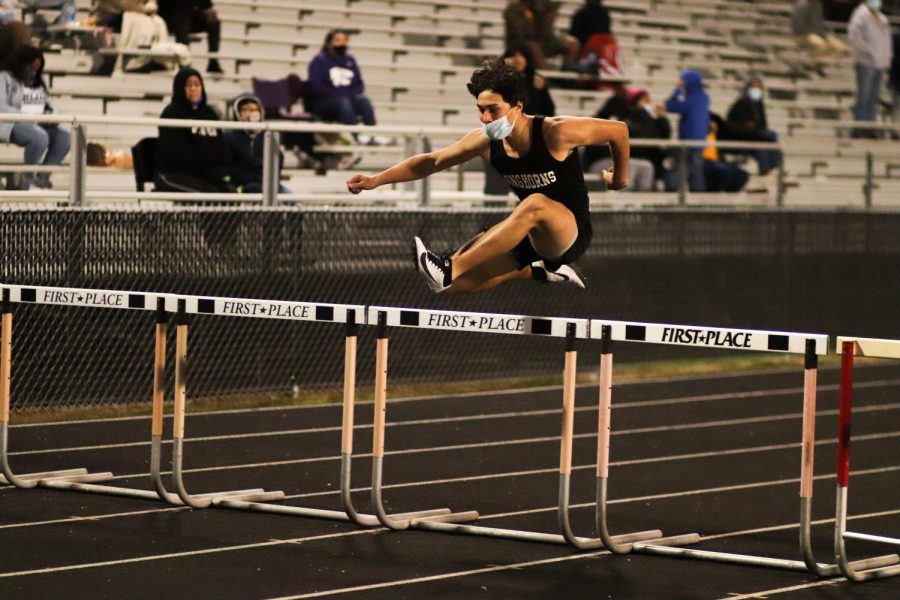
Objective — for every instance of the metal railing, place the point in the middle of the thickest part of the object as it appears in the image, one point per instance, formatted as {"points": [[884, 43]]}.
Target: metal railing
{"points": [[415, 139]]}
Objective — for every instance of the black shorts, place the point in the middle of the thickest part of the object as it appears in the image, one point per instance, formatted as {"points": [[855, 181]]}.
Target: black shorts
{"points": [[525, 254]]}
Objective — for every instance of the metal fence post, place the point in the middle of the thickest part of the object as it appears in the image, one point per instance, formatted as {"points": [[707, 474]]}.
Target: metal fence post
{"points": [[425, 184], [779, 192], [78, 167], [869, 186], [271, 167], [682, 175]]}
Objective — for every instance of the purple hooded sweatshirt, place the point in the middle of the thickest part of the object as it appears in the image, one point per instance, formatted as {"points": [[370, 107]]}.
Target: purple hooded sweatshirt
{"points": [[331, 75]]}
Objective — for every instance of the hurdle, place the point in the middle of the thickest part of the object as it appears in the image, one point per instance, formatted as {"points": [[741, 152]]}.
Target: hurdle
{"points": [[72, 479], [570, 329], [811, 346], [849, 348]]}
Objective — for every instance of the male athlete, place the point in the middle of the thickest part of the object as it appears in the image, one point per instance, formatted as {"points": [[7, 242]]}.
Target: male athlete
{"points": [[550, 227]]}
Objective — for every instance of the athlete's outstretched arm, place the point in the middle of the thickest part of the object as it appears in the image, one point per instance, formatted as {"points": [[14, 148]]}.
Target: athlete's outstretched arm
{"points": [[474, 143], [567, 133]]}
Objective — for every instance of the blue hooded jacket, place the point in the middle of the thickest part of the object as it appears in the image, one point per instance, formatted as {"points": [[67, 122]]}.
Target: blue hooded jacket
{"points": [[692, 103]]}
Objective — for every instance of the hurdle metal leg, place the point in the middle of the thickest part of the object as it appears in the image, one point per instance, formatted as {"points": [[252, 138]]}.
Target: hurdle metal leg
{"points": [[808, 562], [396, 522], [30, 480], [206, 500], [860, 570], [565, 460], [617, 544]]}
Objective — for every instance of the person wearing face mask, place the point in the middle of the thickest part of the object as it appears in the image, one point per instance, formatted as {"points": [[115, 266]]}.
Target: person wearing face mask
{"points": [[244, 149], [334, 86], [550, 227], [22, 90], [746, 121], [190, 159], [869, 35]]}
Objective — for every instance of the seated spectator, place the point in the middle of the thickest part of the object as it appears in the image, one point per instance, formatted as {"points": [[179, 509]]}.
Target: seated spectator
{"points": [[110, 13], [531, 22], [192, 16], [592, 26], [147, 30], [598, 158], [334, 88], [720, 175], [647, 120], [746, 121], [691, 101], [244, 148], [190, 159], [22, 90], [808, 25]]}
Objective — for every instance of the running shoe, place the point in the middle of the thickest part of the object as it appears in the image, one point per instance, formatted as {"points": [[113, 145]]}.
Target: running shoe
{"points": [[436, 270], [564, 274]]}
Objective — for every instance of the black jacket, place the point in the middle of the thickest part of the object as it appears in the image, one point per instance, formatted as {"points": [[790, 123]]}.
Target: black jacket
{"points": [[642, 125], [746, 121], [197, 151]]}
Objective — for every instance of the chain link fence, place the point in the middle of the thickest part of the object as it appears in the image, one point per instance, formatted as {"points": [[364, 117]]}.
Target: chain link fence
{"points": [[828, 272]]}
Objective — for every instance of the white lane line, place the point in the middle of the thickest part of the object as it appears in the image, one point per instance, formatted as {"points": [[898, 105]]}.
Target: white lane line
{"points": [[428, 397], [531, 563], [419, 422], [785, 590]]}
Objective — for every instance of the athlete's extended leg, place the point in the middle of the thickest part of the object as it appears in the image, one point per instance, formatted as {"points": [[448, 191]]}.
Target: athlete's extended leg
{"points": [[549, 224], [488, 275]]}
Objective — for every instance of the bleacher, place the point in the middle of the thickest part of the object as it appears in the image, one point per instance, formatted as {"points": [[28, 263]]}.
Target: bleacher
{"points": [[416, 56]]}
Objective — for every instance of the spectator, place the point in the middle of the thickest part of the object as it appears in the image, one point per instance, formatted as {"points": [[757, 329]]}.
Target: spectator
{"points": [[530, 22], [538, 100], [8, 12], [192, 16], [719, 175], [110, 13], [691, 101], [334, 88], [647, 120], [22, 90], [895, 79], [746, 121], [598, 158], [148, 30], [244, 148], [869, 35], [808, 25], [190, 159], [592, 26]]}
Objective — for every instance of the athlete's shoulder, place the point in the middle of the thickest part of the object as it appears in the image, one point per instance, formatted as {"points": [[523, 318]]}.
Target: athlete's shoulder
{"points": [[563, 127]]}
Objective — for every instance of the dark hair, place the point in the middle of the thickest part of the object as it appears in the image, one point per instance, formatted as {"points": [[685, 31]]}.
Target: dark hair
{"points": [[525, 51], [20, 58], [330, 36], [500, 78]]}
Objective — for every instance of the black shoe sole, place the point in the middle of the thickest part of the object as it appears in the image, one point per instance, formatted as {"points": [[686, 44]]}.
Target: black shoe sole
{"points": [[415, 256]]}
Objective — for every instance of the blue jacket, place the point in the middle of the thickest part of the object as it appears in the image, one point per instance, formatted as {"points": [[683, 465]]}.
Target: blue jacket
{"points": [[331, 76], [692, 103]]}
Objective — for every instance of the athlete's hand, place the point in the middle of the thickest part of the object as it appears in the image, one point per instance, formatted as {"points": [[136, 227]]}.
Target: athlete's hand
{"points": [[358, 183], [612, 182]]}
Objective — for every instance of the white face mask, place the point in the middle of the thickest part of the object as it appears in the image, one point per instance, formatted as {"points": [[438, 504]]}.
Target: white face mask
{"points": [[755, 94], [650, 110], [874, 4], [499, 129], [253, 116]]}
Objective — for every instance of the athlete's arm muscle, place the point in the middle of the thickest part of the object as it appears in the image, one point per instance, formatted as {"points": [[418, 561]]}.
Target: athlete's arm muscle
{"points": [[475, 143], [564, 134]]}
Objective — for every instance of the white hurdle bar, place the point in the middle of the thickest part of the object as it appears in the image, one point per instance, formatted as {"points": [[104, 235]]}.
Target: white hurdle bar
{"points": [[809, 345], [74, 479], [850, 347], [570, 329]]}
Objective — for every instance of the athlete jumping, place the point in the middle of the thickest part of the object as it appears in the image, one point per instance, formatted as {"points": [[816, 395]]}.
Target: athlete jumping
{"points": [[550, 227]]}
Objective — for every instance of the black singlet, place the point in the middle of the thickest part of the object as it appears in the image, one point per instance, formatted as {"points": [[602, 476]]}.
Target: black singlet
{"points": [[539, 172]]}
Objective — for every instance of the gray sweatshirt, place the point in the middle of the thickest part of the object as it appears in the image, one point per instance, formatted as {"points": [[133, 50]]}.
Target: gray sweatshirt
{"points": [[869, 35], [10, 102]]}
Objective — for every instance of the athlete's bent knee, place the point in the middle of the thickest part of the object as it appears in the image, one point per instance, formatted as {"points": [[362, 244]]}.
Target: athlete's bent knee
{"points": [[534, 208]]}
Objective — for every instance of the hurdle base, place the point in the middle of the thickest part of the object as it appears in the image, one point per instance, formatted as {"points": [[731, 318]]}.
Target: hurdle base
{"points": [[441, 524], [722, 557], [868, 537]]}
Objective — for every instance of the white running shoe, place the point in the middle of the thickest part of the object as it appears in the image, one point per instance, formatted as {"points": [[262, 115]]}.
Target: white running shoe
{"points": [[436, 270], [564, 274]]}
